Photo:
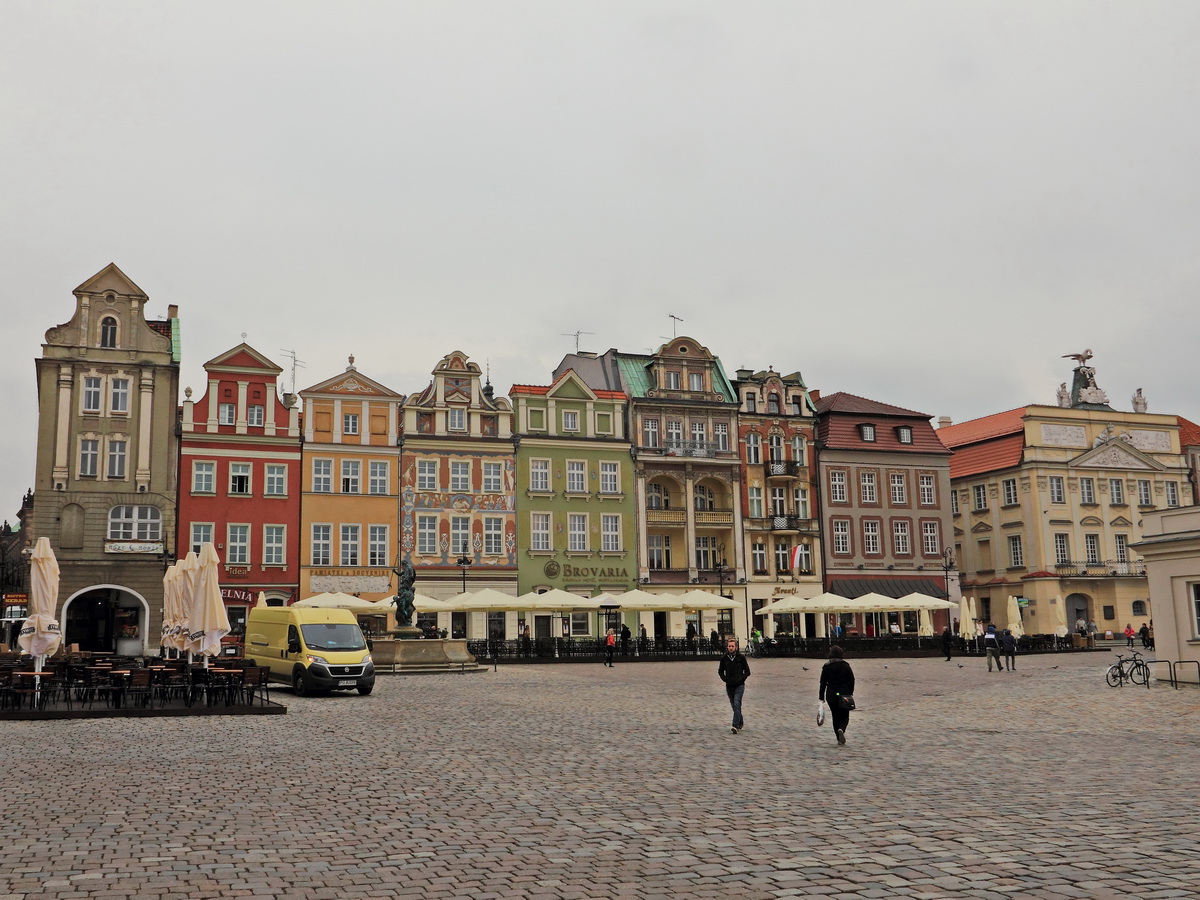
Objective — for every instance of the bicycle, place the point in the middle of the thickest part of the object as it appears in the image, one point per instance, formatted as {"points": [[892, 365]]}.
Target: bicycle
{"points": [[1128, 668]]}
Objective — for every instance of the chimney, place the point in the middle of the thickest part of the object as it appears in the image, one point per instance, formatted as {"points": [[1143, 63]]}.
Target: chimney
{"points": [[173, 311], [943, 421]]}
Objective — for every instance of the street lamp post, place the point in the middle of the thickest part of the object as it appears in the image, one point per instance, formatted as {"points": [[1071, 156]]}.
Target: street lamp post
{"points": [[947, 565], [720, 569], [464, 562]]}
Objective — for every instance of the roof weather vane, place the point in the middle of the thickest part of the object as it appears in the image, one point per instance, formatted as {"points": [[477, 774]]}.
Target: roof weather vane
{"points": [[576, 334]]}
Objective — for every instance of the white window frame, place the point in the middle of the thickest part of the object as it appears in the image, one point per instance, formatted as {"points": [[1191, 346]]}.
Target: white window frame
{"points": [[799, 449], [753, 448], [800, 502], [898, 486], [1087, 490], [460, 476], [901, 538], [870, 529], [456, 418], [351, 423], [928, 492], [1016, 552], [320, 546], [868, 488], [610, 533], [979, 496], [350, 544], [570, 420], [841, 536], [256, 415], [118, 396], [674, 381], [758, 557], [867, 432], [1172, 493], [539, 475], [226, 413], [650, 433], [201, 533], [237, 544], [1010, 491], [1121, 545], [93, 391], [804, 563], [116, 459], [460, 535], [493, 536], [1056, 486], [577, 533], [539, 531], [275, 480], [378, 543], [610, 477], [1062, 549], [904, 434], [274, 544], [427, 535], [241, 470], [493, 474], [1145, 492], [837, 486], [378, 476], [576, 476], [351, 480], [108, 333], [1116, 492], [721, 435], [658, 551], [695, 381], [1091, 549], [931, 539], [89, 457], [322, 476], [699, 432], [427, 475], [754, 501]]}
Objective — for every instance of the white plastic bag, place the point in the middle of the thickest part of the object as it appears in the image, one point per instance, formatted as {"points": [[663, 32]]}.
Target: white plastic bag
{"points": [[820, 714]]}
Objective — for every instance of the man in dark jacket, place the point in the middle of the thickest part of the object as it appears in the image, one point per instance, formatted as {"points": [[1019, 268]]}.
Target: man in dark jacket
{"points": [[734, 670], [1008, 646], [837, 681], [947, 642]]}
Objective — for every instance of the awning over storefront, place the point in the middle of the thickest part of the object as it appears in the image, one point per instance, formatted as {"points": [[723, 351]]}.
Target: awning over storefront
{"points": [[888, 587]]}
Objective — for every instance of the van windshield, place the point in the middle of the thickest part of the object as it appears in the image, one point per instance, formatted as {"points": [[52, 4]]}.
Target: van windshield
{"points": [[333, 636]]}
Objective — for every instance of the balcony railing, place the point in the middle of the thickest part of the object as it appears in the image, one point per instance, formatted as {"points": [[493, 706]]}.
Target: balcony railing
{"points": [[785, 468], [678, 517], [1108, 568], [714, 516], [693, 448]]}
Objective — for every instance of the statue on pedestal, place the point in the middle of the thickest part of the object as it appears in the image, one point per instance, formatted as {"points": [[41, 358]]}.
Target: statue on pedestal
{"points": [[406, 576], [1139, 402]]}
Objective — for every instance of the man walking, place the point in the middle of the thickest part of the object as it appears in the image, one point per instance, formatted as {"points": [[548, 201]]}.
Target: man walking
{"points": [[734, 670], [1008, 643], [947, 642], [626, 634], [991, 646]]}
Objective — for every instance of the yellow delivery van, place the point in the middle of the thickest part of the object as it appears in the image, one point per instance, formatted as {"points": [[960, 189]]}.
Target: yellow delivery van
{"points": [[311, 649]]}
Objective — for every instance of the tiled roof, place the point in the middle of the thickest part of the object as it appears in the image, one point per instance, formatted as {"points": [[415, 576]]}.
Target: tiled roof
{"points": [[162, 326], [841, 402], [1189, 433], [987, 456], [981, 429]]}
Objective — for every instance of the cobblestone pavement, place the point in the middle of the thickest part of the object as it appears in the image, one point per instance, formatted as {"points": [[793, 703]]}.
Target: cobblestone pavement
{"points": [[579, 781]]}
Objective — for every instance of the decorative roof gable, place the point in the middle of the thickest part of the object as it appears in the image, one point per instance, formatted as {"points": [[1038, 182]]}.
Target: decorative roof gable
{"points": [[1116, 454], [110, 278], [241, 358]]}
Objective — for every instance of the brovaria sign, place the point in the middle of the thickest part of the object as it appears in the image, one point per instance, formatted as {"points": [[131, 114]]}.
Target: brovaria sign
{"points": [[606, 572]]}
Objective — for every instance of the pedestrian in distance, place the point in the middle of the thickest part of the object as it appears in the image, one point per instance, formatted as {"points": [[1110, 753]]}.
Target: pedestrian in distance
{"points": [[947, 642], [1008, 645], [1129, 633], [691, 637], [643, 639], [734, 670], [714, 641], [837, 690], [991, 646], [1081, 626], [1144, 633], [610, 645], [626, 634]]}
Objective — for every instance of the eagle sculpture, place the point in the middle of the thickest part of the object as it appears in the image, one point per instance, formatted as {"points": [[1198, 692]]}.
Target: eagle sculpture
{"points": [[1081, 358]]}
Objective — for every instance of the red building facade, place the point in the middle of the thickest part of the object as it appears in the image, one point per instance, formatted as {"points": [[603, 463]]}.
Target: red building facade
{"points": [[240, 480]]}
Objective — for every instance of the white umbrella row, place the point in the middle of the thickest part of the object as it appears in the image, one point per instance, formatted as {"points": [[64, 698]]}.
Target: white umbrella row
{"points": [[556, 600], [867, 603], [194, 615]]}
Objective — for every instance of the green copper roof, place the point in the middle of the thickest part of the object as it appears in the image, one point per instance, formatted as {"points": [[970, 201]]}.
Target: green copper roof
{"points": [[633, 371], [175, 342]]}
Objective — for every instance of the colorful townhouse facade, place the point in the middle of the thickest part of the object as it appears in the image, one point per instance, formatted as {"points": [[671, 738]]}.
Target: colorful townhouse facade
{"points": [[241, 477], [576, 515], [776, 431], [458, 490], [107, 452], [350, 462]]}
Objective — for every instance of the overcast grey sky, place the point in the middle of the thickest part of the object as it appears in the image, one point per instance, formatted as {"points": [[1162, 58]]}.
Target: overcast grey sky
{"points": [[927, 203]]}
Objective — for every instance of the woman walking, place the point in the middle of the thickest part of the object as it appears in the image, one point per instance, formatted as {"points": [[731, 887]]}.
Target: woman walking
{"points": [[610, 644], [837, 689]]}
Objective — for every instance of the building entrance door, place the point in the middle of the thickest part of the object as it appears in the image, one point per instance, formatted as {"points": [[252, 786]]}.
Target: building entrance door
{"points": [[810, 625], [660, 626], [1078, 607], [541, 627]]}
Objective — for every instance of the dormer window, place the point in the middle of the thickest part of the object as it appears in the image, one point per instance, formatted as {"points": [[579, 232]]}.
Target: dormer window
{"points": [[904, 434], [570, 420], [456, 418], [695, 381], [751, 402], [866, 432], [673, 381], [773, 404], [226, 413], [797, 406], [108, 332]]}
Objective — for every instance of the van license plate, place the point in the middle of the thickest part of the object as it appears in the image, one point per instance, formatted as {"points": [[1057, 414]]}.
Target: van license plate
{"points": [[347, 682]]}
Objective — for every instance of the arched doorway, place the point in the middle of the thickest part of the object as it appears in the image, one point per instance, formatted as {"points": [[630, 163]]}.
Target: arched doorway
{"points": [[107, 618], [1079, 606]]}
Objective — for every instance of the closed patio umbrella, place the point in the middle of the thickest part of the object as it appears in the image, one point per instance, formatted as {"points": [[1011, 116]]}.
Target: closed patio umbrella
{"points": [[208, 621], [40, 634], [185, 599], [1059, 608], [262, 600], [1014, 617], [966, 625], [924, 623], [648, 602], [171, 580]]}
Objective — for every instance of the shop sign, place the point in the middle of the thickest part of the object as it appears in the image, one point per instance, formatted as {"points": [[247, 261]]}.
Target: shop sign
{"points": [[237, 595], [133, 546], [594, 572], [237, 571], [13, 597]]}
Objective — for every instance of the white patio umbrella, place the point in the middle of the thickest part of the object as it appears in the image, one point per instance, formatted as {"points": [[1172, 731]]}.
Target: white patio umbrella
{"points": [[924, 601], [1014, 617], [262, 600], [208, 621], [644, 601], [698, 600], [185, 599], [966, 625], [337, 600], [40, 634], [170, 619], [924, 623], [1060, 615], [486, 599]]}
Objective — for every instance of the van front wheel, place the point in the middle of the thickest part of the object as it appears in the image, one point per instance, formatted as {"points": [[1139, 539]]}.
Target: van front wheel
{"points": [[299, 688], [365, 689]]}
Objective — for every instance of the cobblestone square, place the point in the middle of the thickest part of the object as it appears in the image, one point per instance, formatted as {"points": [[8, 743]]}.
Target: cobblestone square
{"points": [[579, 781]]}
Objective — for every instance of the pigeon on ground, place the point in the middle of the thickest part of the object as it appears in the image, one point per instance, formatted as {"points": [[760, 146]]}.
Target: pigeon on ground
{"points": [[805, 668], [1054, 667], [961, 666]]}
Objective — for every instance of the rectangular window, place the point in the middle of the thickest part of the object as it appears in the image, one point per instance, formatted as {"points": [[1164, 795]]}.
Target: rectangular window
{"points": [[456, 419], [610, 478], [755, 496], [91, 395], [867, 432], [377, 476], [980, 492], [783, 558], [239, 478], [491, 477], [349, 544], [351, 476], [1010, 491], [758, 556], [610, 533], [1087, 490], [699, 433], [1145, 497], [539, 531], [119, 399], [650, 432], [954, 502], [1016, 552], [581, 625], [460, 534], [577, 534], [674, 435], [460, 476], [204, 477], [866, 488], [870, 536], [226, 414], [321, 541], [899, 485], [276, 481], [116, 459], [800, 501], [576, 477], [202, 533], [900, 542], [322, 474], [1057, 492], [1116, 492], [928, 496], [695, 381], [931, 539], [753, 449], [1091, 547], [706, 552], [539, 475], [493, 536], [350, 423], [904, 434], [273, 545], [570, 420], [778, 501], [721, 435], [427, 535], [377, 545], [658, 548], [237, 550], [837, 487], [427, 476], [804, 564], [751, 402], [1062, 549], [799, 449], [841, 536], [673, 381], [256, 415], [1172, 492], [1122, 545]]}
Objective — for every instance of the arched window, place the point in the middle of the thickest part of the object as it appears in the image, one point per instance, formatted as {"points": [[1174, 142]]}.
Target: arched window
{"points": [[1139, 607], [108, 332], [703, 497], [657, 497], [773, 404]]}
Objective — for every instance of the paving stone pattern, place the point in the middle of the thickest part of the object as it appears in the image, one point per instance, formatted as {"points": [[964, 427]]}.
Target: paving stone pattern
{"points": [[578, 781]]}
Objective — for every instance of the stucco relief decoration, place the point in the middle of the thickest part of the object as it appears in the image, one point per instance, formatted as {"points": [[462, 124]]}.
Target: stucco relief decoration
{"points": [[1151, 441], [1064, 436], [353, 386], [351, 584], [1115, 457]]}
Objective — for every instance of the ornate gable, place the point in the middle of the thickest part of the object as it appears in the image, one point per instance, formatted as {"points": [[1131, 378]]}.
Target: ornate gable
{"points": [[110, 278], [352, 383], [241, 358], [981, 528], [1116, 454]]}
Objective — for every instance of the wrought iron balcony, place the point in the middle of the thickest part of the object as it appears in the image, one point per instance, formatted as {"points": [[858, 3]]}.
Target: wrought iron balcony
{"points": [[1108, 568], [779, 468]]}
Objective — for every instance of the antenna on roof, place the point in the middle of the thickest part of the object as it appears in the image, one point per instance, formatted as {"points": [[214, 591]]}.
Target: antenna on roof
{"points": [[576, 334], [675, 320], [296, 363]]}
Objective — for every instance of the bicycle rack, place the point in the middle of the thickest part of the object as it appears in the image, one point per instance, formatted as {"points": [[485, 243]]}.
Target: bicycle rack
{"points": [[1170, 670], [1185, 662]]}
